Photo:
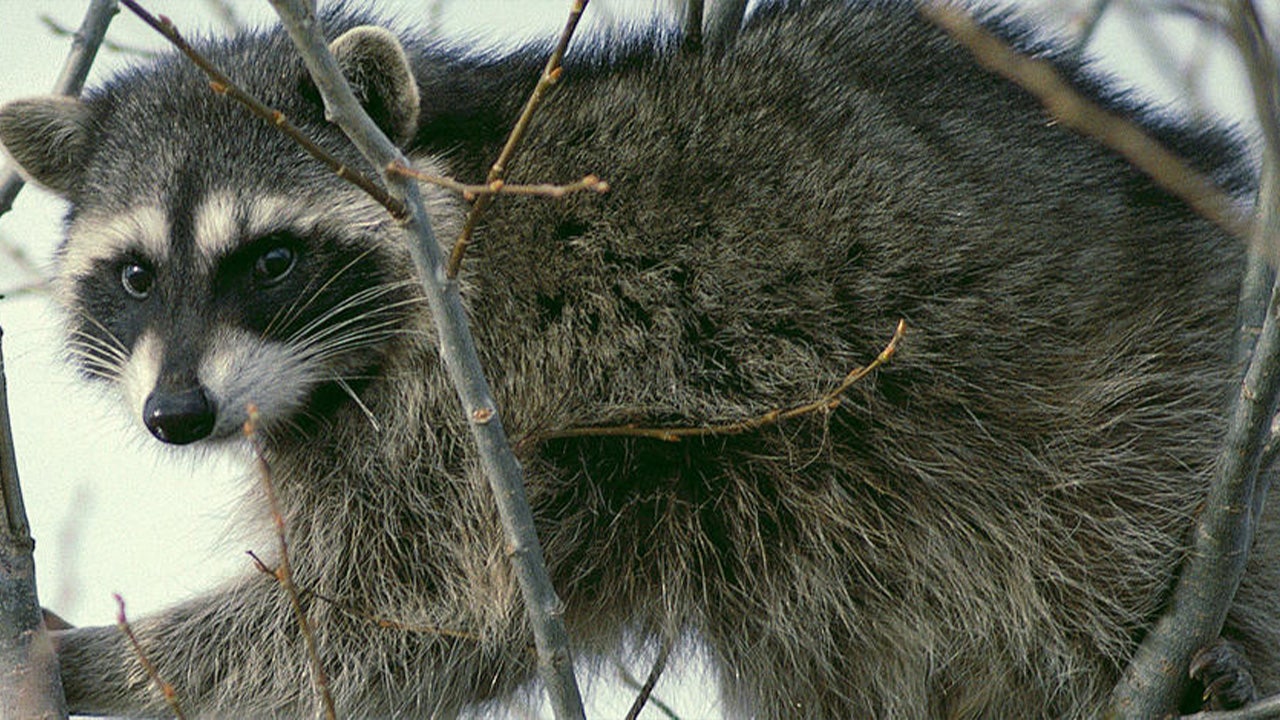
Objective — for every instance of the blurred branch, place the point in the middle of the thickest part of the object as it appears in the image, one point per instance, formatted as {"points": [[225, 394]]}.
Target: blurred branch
{"points": [[1089, 24], [1068, 107], [457, 350], [84, 48], [60, 30], [226, 14]]}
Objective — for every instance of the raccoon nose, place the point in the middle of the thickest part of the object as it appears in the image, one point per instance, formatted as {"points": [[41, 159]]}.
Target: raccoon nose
{"points": [[179, 417]]}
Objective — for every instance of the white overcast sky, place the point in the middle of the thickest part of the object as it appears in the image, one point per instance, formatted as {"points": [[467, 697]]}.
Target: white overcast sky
{"points": [[112, 509]]}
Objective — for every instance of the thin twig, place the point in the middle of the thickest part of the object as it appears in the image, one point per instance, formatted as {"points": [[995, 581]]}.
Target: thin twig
{"points": [[828, 402], [655, 672], [223, 85], [84, 48], [1070, 108], [166, 690], [461, 362], [284, 571], [550, 74], [497, 187]]}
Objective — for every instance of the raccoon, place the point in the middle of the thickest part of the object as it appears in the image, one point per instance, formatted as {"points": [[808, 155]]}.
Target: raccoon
{"points": [[984, 527]]}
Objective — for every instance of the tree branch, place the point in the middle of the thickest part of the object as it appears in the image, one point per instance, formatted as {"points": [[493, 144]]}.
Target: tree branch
{"points": [[1207, 581], [1084, 116], [1224, 532], [283, 573], [166, 690], [84, 48], [222, 84], [30, 679], [550, 74], [457, 349]]}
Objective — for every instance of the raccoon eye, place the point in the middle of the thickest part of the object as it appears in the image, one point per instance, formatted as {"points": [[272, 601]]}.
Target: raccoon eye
{"points": [[137, 279], [274, 264]]}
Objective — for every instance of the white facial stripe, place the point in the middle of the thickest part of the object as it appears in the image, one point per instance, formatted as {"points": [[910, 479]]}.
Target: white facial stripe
{"points": [[215, 227], [140, 373], [98, 237], [241, 368]]}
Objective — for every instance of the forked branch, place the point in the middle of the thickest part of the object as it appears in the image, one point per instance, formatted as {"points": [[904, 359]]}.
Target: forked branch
{"points": [[550, 75], [461, 361], [283, 572]]}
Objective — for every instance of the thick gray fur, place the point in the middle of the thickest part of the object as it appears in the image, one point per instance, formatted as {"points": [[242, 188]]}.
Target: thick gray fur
{"points": [[984, 529]]}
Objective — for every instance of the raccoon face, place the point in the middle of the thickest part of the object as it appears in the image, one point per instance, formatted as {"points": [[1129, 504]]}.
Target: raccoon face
{"points": [[209, 265], [251, 300]]}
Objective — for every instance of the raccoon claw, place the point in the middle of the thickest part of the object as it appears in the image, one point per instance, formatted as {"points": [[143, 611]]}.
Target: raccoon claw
{"points": [[1223, 670]]}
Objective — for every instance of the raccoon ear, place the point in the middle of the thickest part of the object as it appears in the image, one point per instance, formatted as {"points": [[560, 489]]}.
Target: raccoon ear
{"points": [[378, 70], [48, 137]]}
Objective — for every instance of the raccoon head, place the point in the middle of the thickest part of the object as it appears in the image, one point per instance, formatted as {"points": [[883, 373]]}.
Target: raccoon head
{"points": [[208, 263]]}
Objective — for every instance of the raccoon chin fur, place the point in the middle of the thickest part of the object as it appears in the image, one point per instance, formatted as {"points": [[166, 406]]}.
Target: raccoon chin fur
{"points": [[985, 527]]}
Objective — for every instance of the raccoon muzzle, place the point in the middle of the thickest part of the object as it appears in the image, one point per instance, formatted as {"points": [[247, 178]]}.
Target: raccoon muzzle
{"points": [[179, 417]]}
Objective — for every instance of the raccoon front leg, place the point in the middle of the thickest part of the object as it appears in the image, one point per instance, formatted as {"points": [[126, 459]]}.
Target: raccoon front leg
{"points": [[238, 652], [233, 648]]}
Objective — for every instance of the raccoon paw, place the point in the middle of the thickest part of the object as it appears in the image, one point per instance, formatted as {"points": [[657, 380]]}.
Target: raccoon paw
{"points": [[1222, 669]]}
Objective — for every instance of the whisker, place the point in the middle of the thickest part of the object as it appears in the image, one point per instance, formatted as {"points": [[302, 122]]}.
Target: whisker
{"points": [[287, 314]]}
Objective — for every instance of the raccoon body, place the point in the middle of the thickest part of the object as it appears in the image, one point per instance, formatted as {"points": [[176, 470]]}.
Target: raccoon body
{"points": [[985, 527]]}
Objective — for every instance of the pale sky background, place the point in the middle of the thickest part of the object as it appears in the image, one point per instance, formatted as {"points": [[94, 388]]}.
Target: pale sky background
{"points": [[115, 511]]}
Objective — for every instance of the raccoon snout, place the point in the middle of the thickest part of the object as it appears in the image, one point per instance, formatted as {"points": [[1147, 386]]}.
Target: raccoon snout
{"points": [[179, 417]]}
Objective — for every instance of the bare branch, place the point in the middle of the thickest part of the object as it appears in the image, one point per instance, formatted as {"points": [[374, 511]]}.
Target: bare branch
{"points": [[550, 74], [222, 85], [655, 672], [1075, 111], [826, 403], [457, 349], [1224, 532], [30, 680], [498, 187], [84, 48], [170, 695], [284, 571]]}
